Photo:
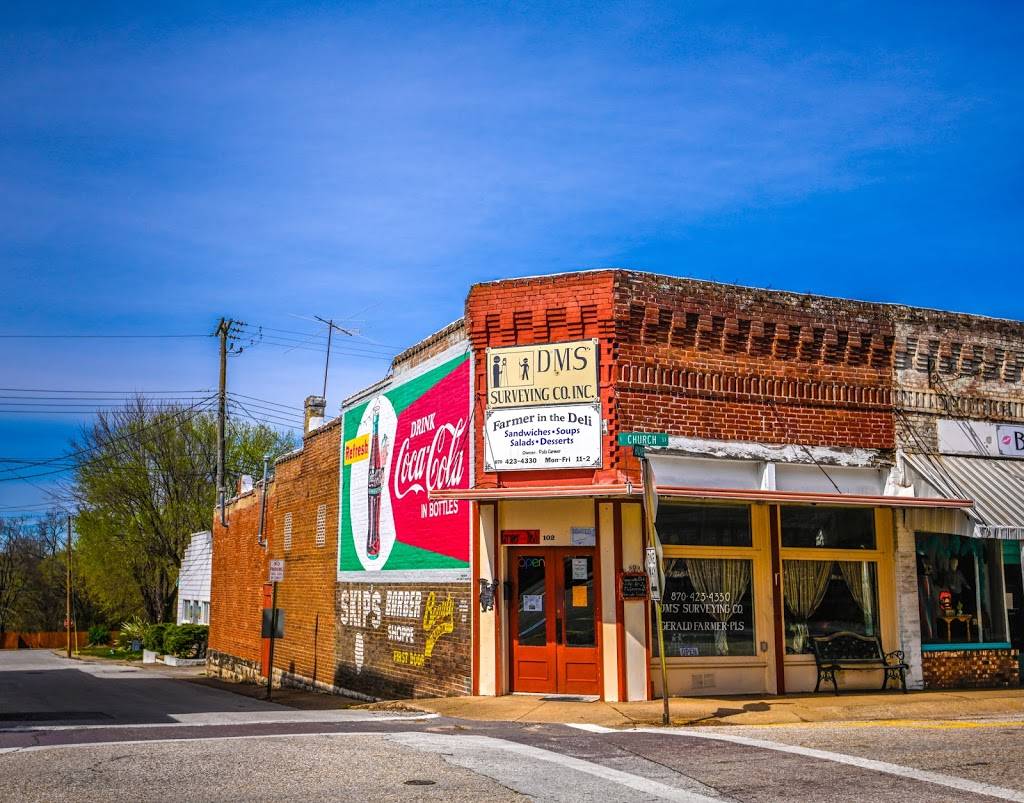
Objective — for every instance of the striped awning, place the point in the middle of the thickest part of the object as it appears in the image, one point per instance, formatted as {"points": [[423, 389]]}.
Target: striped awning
{"points": [[995, 484]]}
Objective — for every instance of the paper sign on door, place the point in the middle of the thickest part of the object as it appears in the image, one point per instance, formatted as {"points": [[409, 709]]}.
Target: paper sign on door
{"points": [[533, 602], [579, 568], [579, 596]]}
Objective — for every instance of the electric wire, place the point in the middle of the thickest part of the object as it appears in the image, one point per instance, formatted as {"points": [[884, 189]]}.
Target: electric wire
{"points": [[194, 409]]}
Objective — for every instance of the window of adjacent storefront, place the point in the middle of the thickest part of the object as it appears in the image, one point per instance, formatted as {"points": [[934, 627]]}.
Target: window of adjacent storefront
{"points": [[960, 589], [708, 600], [830, 569]]}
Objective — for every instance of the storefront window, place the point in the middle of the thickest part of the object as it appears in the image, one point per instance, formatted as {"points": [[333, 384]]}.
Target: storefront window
{"points": [[828, 596], [828, 527], [700, 525], [708, 607], [960, 589]]}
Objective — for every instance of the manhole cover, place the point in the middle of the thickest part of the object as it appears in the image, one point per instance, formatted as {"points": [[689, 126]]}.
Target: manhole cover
{"points": [[419, 782]]}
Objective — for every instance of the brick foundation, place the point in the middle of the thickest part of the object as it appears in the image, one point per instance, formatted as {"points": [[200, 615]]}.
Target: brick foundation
{"points": [[970, 669]]}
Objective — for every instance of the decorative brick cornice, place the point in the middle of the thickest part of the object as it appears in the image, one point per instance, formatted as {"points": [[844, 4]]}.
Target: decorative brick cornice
{"points": [[751, 387], [927, 401]]}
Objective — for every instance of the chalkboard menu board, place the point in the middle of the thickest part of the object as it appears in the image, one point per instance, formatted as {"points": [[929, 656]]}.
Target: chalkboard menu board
{"points": [[633, 585]]}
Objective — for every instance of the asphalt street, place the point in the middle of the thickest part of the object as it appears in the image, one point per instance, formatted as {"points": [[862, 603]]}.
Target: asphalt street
{"points": [[77, 731]]}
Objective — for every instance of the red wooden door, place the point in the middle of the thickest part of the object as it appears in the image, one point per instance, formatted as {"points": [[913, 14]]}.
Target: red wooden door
{"points": [[533, 625], [555, 647], [268, 595], [578, 653]]}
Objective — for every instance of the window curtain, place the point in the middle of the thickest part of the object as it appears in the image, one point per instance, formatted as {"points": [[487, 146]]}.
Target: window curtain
{"points": [[858, 580], [804, 585], [728, 577]]}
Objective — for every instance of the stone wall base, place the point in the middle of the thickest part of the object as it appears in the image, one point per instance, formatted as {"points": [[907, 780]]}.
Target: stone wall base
{"points": [[231, 667], [970, 669]]}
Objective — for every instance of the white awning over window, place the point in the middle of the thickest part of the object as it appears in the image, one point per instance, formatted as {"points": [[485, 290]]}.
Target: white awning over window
{"points": [[995, 484]]}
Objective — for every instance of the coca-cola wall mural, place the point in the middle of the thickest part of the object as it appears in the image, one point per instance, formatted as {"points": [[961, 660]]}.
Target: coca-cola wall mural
{"points": [[409, 438]]}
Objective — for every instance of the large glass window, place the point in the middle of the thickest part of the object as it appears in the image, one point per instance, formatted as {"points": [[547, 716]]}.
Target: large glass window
{"points": [[828, 527], [828, 596], [708, 607], [960, 589], [702, 525]]}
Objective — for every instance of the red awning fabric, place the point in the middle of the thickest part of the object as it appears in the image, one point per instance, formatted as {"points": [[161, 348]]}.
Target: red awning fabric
{"points": [[624, 490]]}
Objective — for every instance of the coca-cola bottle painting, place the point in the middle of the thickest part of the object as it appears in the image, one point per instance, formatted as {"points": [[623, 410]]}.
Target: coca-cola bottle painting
{"points": [[375, 484]]}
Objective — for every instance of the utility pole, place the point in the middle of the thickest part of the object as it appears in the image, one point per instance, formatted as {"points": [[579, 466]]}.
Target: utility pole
{"points": [[223, 329], [67, 609], [331, 326]]}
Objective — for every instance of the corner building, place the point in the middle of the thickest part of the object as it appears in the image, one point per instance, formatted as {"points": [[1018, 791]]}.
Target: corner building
{"points": [[787, 499], [474, 521]]}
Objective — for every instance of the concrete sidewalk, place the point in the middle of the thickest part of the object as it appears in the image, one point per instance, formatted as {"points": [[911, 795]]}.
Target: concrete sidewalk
{"points": [[748, 710]]}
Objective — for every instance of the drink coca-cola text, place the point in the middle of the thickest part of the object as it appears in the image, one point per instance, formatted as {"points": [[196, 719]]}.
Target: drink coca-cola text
{"points": [[432, 466]]}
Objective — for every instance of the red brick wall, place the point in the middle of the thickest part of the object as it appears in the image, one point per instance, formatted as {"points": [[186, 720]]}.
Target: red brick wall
{"points": [[400, 640], [544, 309], [302, 483], [239, 569], [970, 669], [701, 359], [732, 363]]}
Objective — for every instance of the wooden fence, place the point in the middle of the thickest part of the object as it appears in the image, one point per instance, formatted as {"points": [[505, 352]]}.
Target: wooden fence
{"points": [[53, 639]]}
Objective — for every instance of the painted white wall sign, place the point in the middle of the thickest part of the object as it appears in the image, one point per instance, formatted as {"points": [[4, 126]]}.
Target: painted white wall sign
{"points": [[1011, 440], [527, 438]]}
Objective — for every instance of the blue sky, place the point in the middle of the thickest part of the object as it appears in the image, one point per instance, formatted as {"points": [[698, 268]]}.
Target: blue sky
{"points": [[161, 168]]}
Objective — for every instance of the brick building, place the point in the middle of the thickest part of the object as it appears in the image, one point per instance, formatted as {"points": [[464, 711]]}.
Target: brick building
{"points": [[820, 465]]}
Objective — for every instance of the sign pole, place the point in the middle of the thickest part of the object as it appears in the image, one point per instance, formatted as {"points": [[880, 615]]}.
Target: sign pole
{"points": [[273, 630], [650, 512]]}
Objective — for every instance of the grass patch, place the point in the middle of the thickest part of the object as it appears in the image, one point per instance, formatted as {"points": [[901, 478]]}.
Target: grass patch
{"points": [[113, 653]]}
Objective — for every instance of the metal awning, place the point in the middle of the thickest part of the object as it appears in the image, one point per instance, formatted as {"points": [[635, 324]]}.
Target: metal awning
{"points": [[809, 498], [711, 494], [481, 494], [996, 486]]}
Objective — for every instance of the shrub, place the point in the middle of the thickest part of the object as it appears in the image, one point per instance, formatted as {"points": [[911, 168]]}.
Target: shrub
{"points": [[186, 641], [154, 637], [98, 635], [132, 630]]}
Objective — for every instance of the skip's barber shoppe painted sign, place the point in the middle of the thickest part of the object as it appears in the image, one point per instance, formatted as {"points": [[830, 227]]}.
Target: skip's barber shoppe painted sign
{"points": [[411, 438], [543, 407]]}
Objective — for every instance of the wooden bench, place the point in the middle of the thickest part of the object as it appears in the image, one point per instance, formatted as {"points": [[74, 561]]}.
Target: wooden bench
{"points": [[846, 650]]}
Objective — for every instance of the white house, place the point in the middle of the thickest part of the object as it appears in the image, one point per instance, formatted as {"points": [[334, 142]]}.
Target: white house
{"points": [[194, 580]]}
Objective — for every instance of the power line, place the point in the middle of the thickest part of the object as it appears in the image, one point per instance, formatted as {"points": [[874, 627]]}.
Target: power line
{"points": [[127, 337], [266, 401], [264, 418], [136, 392], [197, 408]]}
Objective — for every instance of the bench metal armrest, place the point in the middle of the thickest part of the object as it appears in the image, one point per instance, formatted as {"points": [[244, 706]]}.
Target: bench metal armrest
{"points": [[897, 655]]}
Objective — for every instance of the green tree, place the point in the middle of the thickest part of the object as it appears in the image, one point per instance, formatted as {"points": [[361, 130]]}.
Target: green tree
{"points": [[144, 482], [33, 576]]}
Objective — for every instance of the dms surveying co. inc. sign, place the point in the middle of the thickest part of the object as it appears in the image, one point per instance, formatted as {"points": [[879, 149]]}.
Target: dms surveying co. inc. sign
{"points": [[545, 373], [543, 407]]}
